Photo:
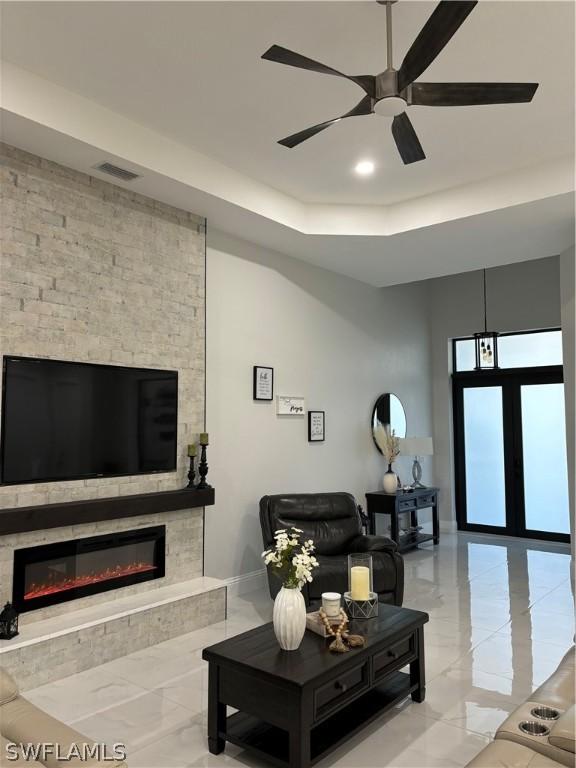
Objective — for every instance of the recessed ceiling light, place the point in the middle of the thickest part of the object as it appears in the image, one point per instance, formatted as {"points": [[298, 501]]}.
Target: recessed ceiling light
{"points": [[364, 168]]}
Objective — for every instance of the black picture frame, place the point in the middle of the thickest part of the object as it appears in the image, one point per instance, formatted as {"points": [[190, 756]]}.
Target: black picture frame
{"points": [[312, 433], [256, 383]]}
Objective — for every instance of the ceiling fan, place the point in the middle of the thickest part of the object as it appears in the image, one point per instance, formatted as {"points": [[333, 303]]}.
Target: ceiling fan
{"points": [[391, 91]]}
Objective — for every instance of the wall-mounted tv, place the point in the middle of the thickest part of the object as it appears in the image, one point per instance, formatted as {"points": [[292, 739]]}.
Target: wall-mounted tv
{"points": [[68, 421]]}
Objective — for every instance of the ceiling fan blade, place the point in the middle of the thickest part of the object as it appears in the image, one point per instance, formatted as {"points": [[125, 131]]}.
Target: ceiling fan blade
{"points": [[297, 138], [434, 35], [468, 94], [292, 59], [406, 140], [364, 107]]}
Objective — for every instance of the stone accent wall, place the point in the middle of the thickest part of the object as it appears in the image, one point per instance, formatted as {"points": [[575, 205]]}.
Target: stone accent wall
{"points": [[92, 272], [184, 544]]}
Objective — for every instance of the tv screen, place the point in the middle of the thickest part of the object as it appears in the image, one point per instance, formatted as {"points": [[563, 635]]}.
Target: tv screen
{"points": [[67, 421]]}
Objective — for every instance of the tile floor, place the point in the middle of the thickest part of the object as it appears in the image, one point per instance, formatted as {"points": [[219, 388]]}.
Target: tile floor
{"points": [[501, 618]]}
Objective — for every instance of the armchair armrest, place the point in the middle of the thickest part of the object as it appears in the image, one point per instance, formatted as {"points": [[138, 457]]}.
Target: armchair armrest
{"points": [[371, 544]]}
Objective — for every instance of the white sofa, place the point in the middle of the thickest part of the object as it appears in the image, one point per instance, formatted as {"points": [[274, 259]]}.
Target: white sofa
{"points": [[22, 723], [514, 749]]}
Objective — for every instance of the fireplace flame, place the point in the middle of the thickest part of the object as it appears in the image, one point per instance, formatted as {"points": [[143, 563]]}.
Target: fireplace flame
{"points": [[59, 584]]}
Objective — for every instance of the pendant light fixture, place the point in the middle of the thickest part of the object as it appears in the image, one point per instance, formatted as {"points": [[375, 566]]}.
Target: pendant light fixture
{"points": [[486, 343]]}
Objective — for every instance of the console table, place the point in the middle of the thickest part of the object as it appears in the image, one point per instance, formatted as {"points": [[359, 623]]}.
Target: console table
{"points": [[402, 502]]}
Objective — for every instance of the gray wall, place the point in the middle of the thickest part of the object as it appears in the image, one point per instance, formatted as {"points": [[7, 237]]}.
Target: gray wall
{"points": [[567, 281], [337, 342], [520, 297]]}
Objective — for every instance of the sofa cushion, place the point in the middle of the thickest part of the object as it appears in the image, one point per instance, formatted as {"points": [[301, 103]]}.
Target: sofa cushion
{"points": [[562, 734], [558, 690], [24, 723], [8, 688], [507, 754], [7, 752]]}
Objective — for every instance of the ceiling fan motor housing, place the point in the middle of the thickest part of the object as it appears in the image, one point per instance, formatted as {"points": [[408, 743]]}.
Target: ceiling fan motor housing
{"points": [[386, 84], [388, 101]]}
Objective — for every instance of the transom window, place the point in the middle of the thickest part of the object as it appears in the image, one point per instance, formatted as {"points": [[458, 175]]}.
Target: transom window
{"points": [[530, 349]]}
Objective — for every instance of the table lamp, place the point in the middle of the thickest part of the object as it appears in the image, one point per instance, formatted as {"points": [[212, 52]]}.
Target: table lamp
{"points": [[416, 447]]}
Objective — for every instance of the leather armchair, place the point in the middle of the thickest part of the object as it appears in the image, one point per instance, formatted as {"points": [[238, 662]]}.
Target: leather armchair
{"points": [[333, 522]]}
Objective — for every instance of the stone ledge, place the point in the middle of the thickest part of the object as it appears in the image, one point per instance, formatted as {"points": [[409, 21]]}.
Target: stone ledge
{"points": [[63, 645], [75, 620]]}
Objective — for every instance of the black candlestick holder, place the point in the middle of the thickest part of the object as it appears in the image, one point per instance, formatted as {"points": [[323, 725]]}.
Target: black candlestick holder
{"points": [[191, 473], [203, 469]]}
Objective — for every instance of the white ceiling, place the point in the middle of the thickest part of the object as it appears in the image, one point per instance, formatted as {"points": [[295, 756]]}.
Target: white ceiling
{"points": [[193, 72], [177, 91]]}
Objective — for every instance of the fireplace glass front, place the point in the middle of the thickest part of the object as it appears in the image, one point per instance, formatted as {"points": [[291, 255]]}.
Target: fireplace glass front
{"points": [[54, 573]]}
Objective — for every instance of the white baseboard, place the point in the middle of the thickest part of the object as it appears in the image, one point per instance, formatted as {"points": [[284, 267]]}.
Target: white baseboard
{"points": [[246, 583]]}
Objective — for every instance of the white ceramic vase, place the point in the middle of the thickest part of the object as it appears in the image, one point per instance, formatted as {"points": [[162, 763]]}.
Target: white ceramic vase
{"points": [[390, 481], [289, 618]]}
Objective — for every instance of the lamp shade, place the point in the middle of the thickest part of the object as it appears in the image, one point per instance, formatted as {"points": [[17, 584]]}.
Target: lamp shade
{"points": [[416, 446]]}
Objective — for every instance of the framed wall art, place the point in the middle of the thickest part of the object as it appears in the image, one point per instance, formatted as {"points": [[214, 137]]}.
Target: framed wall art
{"points": [[316, 426], [263, 383], [290, 406]]}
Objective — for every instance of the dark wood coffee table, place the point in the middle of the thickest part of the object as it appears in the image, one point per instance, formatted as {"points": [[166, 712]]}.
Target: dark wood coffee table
{"points": [[294, 707]]}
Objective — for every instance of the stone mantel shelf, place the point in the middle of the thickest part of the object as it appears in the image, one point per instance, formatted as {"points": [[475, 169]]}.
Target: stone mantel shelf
{"points": [[43, 516]]}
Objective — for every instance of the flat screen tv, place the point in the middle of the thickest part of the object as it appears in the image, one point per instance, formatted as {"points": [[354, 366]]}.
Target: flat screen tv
{"points": [[67, 421]]}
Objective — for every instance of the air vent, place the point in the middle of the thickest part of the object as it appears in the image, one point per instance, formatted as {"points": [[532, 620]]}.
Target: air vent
{"points": [[114, 170]]}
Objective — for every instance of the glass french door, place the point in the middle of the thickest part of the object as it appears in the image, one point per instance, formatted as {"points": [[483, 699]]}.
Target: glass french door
{"points": [[510, 453]]}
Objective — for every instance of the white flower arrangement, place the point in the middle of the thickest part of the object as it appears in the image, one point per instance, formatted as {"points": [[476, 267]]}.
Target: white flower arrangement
{"points": [[291, 560], [388, 443]]}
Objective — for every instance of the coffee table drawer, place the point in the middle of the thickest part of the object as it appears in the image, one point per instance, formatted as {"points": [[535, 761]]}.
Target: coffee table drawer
{"points": [[406, 505], [334, 694], [394, 657]]}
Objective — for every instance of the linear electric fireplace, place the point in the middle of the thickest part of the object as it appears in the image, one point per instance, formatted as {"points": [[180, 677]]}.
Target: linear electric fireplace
{"points": [[67, 570]]}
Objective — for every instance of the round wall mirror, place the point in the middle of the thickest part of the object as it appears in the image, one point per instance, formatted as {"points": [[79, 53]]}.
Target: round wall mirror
{"points": [[389, 413]]}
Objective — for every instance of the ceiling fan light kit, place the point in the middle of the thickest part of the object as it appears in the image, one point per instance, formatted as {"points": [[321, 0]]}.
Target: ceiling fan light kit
{"points": [[390, 106], [390, 92]]}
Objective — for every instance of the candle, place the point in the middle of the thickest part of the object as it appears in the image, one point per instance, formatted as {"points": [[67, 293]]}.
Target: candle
{"points": [[204, 438], [331, 604], [192, 449], [360, 582]]}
